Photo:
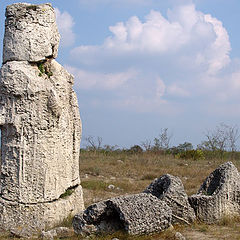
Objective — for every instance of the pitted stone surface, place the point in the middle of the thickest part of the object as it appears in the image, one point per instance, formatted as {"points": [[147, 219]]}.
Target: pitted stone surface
{"points": [[170, 189], [25, 220], [40, 124], [40, 135], [31, 33], [136, 214], [219, 195]]}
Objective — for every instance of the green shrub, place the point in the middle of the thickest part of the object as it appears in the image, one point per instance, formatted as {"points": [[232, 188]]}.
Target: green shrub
{"points": [[191, 154], [136, 149], [44, 70], [67, 193]]}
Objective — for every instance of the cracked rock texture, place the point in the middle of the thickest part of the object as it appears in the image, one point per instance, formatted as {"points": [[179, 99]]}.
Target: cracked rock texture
{"points": [[31, 33], [219, 195], [40, 124], [170, 189], [136, 214]]}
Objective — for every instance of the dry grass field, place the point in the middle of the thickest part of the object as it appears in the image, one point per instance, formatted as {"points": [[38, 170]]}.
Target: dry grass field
{"points": [[131, 173]]}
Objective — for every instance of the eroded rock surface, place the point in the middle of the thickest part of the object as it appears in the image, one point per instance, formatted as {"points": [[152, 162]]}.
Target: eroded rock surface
{"points": [[219, 195], [170, 189], [31, 33], [40, 124], [136, 214]]}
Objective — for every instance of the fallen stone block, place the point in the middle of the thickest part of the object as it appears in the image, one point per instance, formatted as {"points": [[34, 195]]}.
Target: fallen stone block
{"points": [[135, 214], [170, 189], [219, 195]]}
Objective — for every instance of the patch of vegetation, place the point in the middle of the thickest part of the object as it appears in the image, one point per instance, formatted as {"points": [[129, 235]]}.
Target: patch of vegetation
{"points": [[67, 193], [94, 185], [32, 7], [136, 149], [149, 176], [228, 220], [191, 154], [93, 170], [41, 68], [49, 74], [203, 228], [44, 69]]}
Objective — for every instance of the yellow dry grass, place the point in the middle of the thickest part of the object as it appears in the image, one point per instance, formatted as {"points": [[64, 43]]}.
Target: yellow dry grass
{"points": [[131, 173]]}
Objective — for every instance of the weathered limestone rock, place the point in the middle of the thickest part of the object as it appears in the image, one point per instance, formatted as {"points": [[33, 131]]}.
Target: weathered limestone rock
{"points": [[31, 33], [170, 189], [136, 214], [40, 124], [219, 195], [25, 220]]}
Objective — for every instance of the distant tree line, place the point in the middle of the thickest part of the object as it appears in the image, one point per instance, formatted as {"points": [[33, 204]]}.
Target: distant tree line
{"points": [[220, 142]]}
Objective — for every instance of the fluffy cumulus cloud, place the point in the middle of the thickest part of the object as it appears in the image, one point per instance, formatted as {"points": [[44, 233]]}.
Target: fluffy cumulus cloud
{"points": [[157, 60], [65, 25]]}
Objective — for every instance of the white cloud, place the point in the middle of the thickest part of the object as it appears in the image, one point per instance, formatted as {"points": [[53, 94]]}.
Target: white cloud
{"points": [[141, 104], [65, 25], [203, 37], [235, 78], [156, 34], [220, 48], [160, 90], [176, 90], [96, 80], [181, 55]]}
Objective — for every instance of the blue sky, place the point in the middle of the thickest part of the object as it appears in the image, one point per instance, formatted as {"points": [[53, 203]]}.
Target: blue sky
{"points": [[144, 65]]}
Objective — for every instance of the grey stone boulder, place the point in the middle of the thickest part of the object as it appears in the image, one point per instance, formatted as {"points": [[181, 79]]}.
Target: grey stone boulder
{"points": [[170, 189], [135, 214], [219, 195]]}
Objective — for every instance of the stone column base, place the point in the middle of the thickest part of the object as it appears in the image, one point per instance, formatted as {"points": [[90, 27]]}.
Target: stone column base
{"points": [[30, 219]]}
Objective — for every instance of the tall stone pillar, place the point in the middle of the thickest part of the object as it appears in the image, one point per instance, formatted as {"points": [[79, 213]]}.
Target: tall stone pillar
{"points": [[40, 125]]}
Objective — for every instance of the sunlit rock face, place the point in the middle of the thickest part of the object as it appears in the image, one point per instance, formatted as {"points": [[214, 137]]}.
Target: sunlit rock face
{"points": [[31, 33], [40, 125], [170, 189], [219, 195]]}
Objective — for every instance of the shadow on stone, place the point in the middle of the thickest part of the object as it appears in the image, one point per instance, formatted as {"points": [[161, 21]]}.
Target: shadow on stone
{"points": [[135, 214], [170, 189]]}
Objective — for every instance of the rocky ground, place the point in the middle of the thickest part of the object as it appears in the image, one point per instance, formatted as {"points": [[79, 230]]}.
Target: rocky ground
{"points": [[109, 175]]}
